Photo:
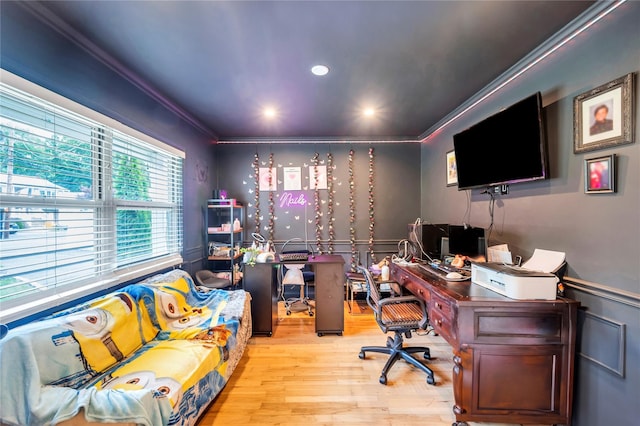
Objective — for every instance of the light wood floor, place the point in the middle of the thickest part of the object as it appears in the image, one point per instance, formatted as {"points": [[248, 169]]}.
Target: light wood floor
{"points": [[298, 378]]}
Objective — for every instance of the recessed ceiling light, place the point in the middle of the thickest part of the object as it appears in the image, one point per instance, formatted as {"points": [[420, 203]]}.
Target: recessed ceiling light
{"points": [[369, 112], [320, 70], [269, 112]]}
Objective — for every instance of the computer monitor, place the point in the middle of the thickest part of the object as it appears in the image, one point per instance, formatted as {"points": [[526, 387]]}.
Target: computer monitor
{"points": [[467, 241], [429, 236]]}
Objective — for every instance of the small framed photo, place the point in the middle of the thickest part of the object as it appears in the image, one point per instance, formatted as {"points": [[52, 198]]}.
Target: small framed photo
{"points": [[600, 175], [603, 117], [452, 170]]}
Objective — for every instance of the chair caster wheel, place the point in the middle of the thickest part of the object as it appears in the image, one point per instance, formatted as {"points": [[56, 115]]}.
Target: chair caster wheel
{"points": [[361, 355], [288, 312], [431, 380], [310, 314], [427, 355], [383, 380]]}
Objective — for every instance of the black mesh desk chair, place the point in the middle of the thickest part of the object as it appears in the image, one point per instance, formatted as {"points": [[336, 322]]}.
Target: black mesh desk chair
{"points": [[402, 315]]}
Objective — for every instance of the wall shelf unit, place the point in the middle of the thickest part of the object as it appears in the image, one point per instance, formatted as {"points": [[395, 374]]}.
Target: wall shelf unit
{"points": [[224, 235]]}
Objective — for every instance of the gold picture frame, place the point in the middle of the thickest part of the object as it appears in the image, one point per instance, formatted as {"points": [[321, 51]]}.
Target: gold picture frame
{"points": [[603, 117]]}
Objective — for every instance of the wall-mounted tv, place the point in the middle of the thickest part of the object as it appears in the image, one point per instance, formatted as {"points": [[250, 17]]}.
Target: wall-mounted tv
{"points": [[505, 148]]}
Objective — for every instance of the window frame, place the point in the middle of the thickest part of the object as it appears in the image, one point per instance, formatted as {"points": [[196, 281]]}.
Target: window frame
{"points": [[104, 207]]}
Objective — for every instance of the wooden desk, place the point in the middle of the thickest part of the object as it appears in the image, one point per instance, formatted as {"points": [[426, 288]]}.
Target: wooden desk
{"points": [[261, 281], [513, 359]]}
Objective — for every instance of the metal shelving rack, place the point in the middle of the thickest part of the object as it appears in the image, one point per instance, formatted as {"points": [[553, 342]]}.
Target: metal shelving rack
{"points": [[222, 240]]}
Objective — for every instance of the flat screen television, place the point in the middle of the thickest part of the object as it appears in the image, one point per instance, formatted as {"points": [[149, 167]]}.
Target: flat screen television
{"points": [[429, 238], [505, 148]]}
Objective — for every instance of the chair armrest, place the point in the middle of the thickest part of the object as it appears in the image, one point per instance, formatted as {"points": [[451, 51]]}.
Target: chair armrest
{"points": [[395, 287]]}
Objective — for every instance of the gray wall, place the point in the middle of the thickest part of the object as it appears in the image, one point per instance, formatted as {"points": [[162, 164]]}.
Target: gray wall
{"points": [[599, 233], [396, 191]]}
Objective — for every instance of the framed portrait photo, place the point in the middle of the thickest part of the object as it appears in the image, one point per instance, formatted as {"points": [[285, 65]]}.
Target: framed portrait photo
{"points": [[452, 170], [600, 175], [603, 117]]}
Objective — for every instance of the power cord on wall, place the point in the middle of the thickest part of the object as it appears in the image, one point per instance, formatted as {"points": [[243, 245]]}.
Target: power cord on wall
{"points": [[466, 218], [492, 203], [414, 234], [406, 252]]}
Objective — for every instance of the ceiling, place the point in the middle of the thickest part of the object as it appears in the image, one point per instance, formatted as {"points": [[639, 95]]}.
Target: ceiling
{"points": [[223, 62]]}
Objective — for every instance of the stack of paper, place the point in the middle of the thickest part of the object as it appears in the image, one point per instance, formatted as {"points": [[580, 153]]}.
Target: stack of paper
{"points": [[545, 261], [500, 254]]}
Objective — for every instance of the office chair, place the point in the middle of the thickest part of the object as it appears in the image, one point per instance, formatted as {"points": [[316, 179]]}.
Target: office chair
{"points": [[293, 275], [402, 315], [208, 279]]}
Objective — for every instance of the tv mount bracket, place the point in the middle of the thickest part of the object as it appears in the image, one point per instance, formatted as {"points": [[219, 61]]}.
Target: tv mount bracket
{"points": [[500, 189]]}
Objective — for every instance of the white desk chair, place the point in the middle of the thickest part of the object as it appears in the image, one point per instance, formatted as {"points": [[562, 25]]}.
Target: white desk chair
{"points": [[294, 276]]}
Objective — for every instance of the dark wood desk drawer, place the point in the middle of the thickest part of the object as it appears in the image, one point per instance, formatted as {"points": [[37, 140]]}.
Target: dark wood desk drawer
{"points": [[419, 291], [442, 317], [497, 325], [416, 288]]}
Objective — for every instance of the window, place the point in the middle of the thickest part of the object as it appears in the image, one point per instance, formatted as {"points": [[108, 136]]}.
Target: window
{"points": [[85, 202]]}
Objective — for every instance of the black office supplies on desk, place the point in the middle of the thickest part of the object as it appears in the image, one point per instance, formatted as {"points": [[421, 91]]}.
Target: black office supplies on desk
{"points": [[442, 270], [292, 257]]}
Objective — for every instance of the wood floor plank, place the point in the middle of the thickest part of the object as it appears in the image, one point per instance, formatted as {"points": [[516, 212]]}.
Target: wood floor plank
{"points": [[297, 378]]}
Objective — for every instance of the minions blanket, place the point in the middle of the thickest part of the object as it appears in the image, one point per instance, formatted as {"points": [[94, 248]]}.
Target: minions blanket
{"points": [[153, 353]]}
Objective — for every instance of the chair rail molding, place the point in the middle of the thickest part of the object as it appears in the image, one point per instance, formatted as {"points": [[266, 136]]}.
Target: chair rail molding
{"points": [[628, 298]]}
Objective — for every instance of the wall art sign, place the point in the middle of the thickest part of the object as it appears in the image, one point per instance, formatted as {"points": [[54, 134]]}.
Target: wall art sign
{"points": [[268, 179], [292, 178], [603, 117], [293, 199], [321, 177], [452, 170]]}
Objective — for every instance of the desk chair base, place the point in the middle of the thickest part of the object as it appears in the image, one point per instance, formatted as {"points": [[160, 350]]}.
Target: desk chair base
{"points": [[288, 304], [396, 350], [302, 300]]}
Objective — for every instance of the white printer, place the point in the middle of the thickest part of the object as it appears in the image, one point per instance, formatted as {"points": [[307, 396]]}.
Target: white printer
{"points": [[533, 280]]}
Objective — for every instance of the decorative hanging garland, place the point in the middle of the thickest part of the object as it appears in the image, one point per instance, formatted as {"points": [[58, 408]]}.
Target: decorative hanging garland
{"points": [[330, 218], [316, 197], [352, 214], [371, 210], [256, 175], [271, 204]]}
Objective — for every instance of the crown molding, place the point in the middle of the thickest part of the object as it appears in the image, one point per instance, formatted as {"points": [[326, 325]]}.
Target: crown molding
{"points": [[573, 29], [318, 140]]}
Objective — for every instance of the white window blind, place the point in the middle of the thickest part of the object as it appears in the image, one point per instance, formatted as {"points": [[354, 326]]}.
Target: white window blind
{"points": [[85, 203]]}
